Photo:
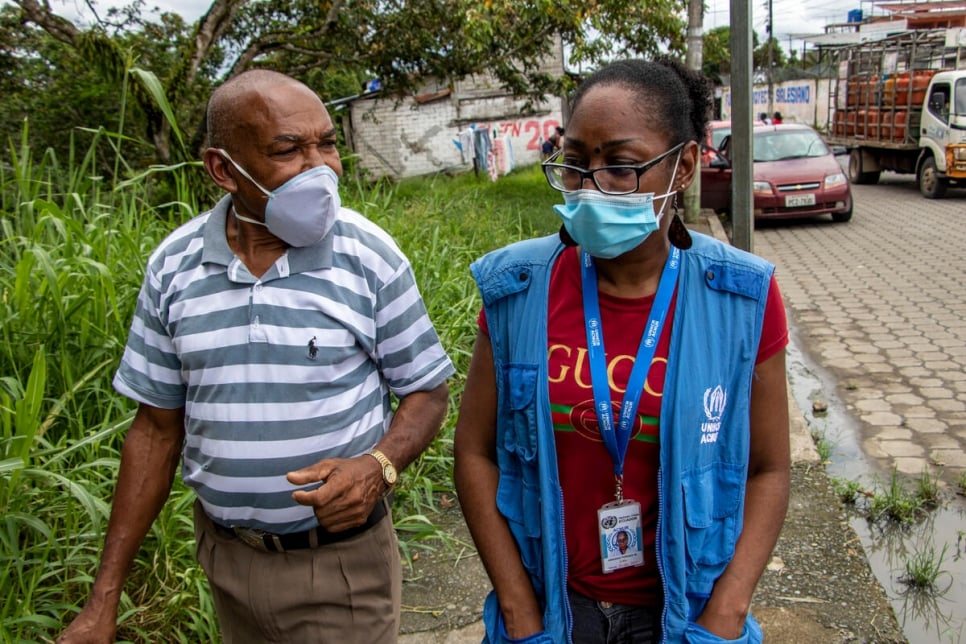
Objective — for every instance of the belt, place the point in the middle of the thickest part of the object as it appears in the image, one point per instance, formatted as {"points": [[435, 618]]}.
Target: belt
{"points": [[270, 542]]}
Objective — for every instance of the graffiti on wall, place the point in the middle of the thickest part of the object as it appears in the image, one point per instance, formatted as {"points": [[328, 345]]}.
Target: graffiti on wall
{"points": [[800, 101], [792, 95], [532, 130]]}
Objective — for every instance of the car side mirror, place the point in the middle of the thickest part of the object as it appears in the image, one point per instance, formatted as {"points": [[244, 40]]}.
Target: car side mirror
{"points": [[937, 102], [839, 150], [718, 161]]}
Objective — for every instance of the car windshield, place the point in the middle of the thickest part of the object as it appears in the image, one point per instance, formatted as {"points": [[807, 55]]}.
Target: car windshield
{"points": [[778, 145], [718, 135]]}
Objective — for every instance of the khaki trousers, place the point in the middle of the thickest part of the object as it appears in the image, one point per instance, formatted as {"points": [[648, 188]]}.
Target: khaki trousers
{"points": [[344, 593]]}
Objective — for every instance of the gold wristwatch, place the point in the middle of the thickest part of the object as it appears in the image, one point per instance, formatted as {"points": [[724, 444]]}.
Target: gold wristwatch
{"points": [[389, 474]]}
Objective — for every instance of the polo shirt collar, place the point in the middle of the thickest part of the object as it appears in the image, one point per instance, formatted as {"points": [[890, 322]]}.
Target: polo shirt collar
{"points": [[300, 260]]}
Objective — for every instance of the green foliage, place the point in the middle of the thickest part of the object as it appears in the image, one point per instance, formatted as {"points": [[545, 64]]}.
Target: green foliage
{"points": [[848, 492], [894, 503], [332, 46], [70, 268], [71, 260], [927, 490], [822, 445], [716, 53], [925, 568]]}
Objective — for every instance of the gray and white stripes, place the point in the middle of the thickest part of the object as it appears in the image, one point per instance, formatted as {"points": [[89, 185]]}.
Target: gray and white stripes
{"points": [[279, 372]]}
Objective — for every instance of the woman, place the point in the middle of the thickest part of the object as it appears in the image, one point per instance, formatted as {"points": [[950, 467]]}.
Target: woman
{"points": [[562, 445]]}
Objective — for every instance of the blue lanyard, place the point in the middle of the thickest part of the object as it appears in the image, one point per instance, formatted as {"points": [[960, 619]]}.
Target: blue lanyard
{"points": [[616, 440]]}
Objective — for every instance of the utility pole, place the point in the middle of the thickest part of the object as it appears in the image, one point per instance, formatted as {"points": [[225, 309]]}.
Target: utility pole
{"points": [[742, 222], [693, 59], [771, 46]]}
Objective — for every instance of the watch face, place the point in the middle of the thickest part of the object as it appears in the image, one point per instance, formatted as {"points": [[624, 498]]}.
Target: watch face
{"points": [[389, 474]]}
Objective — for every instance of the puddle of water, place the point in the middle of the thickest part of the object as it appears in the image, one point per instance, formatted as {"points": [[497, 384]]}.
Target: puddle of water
{"points": [[937, 616]]}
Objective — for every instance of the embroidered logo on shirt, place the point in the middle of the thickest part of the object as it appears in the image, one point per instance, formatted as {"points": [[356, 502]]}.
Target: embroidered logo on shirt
{"points": [[313, 349], [714, 406]]}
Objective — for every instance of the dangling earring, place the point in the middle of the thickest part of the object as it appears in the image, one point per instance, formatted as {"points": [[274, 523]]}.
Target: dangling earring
{"points": [[565, 237], [678, 233]]}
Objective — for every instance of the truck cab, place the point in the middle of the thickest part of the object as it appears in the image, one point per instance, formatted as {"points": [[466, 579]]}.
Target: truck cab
{"points": [[898, 103], [942, 136]]}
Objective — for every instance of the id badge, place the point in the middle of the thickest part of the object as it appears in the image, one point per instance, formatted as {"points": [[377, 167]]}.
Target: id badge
{"points": [[619, 525]]}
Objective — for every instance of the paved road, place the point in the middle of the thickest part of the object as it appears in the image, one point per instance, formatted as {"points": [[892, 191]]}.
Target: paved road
{"points": [[880, 303]]}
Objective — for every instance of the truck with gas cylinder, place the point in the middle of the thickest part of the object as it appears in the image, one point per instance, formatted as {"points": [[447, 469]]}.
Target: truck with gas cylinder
{"points": [[898, 103]]}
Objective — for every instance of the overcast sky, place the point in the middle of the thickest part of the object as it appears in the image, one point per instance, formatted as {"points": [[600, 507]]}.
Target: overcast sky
{"points": [[793, 18]]}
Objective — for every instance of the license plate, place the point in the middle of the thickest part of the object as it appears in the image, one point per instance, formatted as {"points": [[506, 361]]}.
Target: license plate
{"points": [[796, 201]]}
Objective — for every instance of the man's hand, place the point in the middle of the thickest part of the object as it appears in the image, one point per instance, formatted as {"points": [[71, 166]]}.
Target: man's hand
{"points": [[350, 489], [91, 626]]}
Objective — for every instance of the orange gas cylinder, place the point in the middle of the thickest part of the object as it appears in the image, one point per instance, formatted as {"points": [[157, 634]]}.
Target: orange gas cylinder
{"points": [[920, 81], [872, 123], [838, 121], [902, 89], [899, 126], [852, 92], [888, 91], [872, 91], [850, 117]]}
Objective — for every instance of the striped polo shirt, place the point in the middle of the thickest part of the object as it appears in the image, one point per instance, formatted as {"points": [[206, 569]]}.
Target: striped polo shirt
{"points": [[277, 372]]}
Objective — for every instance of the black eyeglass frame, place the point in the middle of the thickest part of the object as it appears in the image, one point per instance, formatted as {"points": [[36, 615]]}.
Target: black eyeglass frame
{"points": [[640, 169]]}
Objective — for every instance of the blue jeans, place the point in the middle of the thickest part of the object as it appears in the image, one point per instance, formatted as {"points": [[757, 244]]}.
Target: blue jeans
{"points": [[605, 623]]}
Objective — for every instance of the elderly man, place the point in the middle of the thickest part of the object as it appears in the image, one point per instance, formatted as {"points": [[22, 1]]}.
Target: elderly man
{"points": [[270, 336]]}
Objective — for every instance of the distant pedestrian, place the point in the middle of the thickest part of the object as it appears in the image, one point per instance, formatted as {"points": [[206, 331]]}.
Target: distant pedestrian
{"points": [[764, 118], [554, 143], [777, 118]]}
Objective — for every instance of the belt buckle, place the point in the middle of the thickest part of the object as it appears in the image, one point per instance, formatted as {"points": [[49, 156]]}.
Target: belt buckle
{"points": [[251, 537]]}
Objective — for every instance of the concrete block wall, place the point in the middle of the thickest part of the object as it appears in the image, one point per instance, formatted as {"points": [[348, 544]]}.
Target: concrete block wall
{"points": [[799, 101], [407, 140], [413, 140], [410, 139]]}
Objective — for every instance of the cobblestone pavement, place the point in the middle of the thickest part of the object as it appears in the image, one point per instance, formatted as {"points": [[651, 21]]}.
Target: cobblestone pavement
{"points": [[880, 303]]}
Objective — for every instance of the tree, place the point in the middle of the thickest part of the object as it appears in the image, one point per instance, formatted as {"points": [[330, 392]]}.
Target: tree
{"points": [[761, 54], [402, 42], [716, 56]]}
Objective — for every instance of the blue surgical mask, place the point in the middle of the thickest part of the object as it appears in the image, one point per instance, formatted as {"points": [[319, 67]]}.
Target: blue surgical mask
{"points": [[302, 210], [607, 226]]}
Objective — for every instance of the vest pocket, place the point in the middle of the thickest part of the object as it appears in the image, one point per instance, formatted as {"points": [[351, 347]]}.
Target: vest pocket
{"points": [[712, 500], [520, 387], [518, 491]]}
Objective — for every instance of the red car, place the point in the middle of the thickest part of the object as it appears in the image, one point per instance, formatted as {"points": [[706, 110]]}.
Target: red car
{"points": [[717, 131], [795, 175]]}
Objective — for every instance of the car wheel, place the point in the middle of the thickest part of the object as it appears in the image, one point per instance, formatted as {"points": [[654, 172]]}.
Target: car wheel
{"points": [[842, 217], [931, 185], [856, 175]]}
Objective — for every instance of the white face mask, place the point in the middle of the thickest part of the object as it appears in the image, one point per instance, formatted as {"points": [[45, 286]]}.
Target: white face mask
{"points": [[302, 210]]}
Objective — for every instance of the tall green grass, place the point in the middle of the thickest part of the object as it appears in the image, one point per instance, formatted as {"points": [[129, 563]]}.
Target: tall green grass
{"points": [[71, 260]]}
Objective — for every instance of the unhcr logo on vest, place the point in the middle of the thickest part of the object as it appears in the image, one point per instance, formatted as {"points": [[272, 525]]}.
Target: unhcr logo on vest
{"points": [[714, 405]]}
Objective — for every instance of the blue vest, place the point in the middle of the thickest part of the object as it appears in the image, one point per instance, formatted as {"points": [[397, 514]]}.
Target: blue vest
{"points": [[716, 329]]}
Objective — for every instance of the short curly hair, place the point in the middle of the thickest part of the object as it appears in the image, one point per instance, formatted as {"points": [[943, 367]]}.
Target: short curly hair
{"points": [[679, 100]]}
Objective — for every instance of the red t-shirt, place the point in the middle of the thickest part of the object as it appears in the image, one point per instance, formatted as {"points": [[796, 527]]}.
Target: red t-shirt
{"points": [[585, 466]]}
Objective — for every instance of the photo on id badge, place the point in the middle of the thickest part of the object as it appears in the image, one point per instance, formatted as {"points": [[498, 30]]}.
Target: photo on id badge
{"points": [[620, 535]]}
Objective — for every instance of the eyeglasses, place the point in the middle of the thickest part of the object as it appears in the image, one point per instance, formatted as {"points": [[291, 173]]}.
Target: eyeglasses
{"points": [[609, 179]]}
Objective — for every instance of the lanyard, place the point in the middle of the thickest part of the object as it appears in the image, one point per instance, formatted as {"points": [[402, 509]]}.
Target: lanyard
{"points": [[617, 439]]}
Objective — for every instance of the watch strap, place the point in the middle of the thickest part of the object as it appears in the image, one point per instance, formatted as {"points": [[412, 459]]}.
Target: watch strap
{"points": [[385, 463]]}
